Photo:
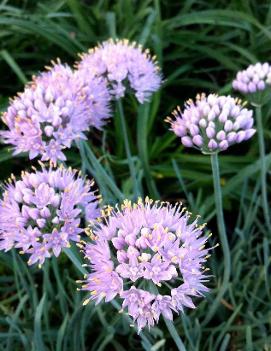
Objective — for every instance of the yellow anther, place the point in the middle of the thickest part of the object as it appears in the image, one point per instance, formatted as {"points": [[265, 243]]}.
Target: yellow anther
{"points": [[86, 302]]}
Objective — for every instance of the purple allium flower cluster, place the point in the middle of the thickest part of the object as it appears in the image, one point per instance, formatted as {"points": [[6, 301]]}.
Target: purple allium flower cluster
{"points": [[255, 83], [149, 255], [212, 123], [42, 212], [124, 65], [255, 78], [55, 109]]}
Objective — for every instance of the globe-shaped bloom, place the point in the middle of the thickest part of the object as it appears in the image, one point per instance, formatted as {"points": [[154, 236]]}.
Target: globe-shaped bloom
{"points": [[125, 65], [254, 82], [55, 109], [151, 256], [44, 210], [212, 123]]}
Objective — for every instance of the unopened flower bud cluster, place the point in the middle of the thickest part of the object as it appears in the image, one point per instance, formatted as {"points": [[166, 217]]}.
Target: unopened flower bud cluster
{"points": [[212, 123]]}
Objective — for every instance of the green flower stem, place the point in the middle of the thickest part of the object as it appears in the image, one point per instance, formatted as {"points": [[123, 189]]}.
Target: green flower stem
{"points": [[129, 320], [222, 236], [170, 325], [84, 162], [70, 253], [127, 149], [73, 257], [99, 170], [86, 166], [260, 132], [174, 334], [142, 143]]}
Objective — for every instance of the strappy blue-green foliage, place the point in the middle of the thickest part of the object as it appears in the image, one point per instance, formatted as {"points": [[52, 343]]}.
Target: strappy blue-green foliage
{"points": [[200, 45]]}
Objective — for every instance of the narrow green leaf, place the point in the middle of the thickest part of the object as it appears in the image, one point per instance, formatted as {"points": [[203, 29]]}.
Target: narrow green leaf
{"points": [[13, 65], [38, 338]]}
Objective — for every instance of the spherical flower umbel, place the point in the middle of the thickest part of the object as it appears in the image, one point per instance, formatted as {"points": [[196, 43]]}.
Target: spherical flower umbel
{"points": [[254, 82], [43, 211], [125, 65], [151, 256], [212, 123], [55, 109]]}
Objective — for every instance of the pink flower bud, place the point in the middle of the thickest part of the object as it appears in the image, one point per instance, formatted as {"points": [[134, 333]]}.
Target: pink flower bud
{"points": [[187, 141], [261, 85], [223, 145], [212, 144], [221, 135], [210, 132], [194, 129], [228, 126], [240, 136], [249, 133], [197, 140], [231, 137]]}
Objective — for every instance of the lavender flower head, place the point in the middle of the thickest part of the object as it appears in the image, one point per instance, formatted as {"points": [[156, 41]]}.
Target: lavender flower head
{"points": [[41, 213], [212, 123], [150, 256], [254, 82], [55, 109], [125, 65]]}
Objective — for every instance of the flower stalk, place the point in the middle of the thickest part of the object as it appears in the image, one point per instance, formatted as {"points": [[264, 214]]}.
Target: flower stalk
{"points": [[174, 334], [94, 166], [128, 150], [222, 236], [142, 143], [263, 171]]}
